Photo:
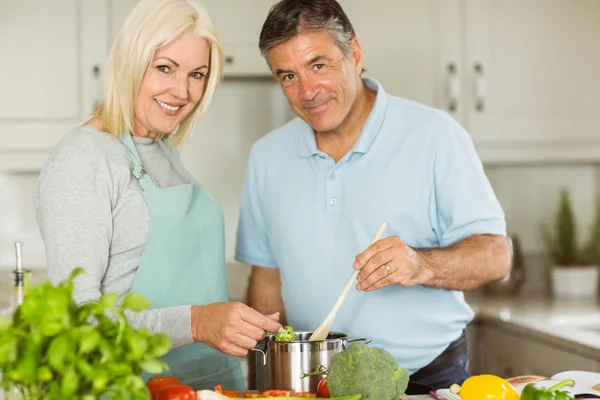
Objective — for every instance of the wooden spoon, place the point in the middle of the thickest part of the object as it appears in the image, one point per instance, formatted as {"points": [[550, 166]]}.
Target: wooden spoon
{"points": [[323, 330]]}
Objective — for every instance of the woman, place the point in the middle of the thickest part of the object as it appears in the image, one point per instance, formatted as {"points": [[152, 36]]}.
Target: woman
{"points": [[115, 199]]}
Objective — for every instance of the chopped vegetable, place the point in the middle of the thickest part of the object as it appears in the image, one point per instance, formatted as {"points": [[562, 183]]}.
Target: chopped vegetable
{"points": [[176, 392], [277, 394], [370, 371], [287, 335], [534, 391]]}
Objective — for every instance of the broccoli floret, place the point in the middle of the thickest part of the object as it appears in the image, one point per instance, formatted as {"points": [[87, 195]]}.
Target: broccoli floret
{"points": [[371, 372], [287, 335]]}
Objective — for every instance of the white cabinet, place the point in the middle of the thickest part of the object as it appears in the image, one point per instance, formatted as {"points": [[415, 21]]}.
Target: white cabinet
{"points": [[532, 78], [239, 23], [412, 48], [509, 352], [520, 76], [54, 54]]}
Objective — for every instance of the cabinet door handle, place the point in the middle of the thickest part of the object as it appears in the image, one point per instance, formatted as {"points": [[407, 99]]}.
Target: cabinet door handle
{"points": [[479, 87], [453, 87], [96, 72]]}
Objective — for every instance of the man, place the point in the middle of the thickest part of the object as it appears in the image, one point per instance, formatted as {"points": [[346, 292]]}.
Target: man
{"points": [[318, 188]]}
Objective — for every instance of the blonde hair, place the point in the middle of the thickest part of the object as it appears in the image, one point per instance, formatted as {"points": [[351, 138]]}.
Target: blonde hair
{"points": [[150, 25]]}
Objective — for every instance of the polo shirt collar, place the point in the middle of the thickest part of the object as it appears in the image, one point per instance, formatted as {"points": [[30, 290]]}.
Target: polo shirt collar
{"points": [[308, 143]]}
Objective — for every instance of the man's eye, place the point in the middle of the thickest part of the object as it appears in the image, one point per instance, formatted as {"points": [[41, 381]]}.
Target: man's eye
{"points": [[318, 66], [288, 77], [164, 69]]}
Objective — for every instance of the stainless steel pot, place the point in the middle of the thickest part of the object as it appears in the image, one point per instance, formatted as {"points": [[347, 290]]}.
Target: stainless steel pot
{"points": [[281, 365]]}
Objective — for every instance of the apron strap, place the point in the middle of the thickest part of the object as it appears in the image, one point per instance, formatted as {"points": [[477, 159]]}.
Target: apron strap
{"points": [[138, 171], [172, 156]]}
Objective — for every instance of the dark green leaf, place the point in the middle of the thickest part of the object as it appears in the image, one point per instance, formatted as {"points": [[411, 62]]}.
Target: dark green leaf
{"points": [[135, 302]]}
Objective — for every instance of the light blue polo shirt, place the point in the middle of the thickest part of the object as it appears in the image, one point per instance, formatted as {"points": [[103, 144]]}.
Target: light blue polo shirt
{"points": [[412, 167]]}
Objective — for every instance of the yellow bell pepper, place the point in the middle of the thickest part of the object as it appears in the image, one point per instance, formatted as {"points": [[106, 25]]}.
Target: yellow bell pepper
{"points": [[486, 387]]}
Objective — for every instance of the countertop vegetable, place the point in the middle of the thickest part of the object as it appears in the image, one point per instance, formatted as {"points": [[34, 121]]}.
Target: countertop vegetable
{"points": [[534, 391], [53, 348], [370, 371], [488, 387]]}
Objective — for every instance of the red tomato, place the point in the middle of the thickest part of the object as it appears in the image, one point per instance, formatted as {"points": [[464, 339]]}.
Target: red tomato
{"points": [[158, 382], [323, 389], [176, 392]]}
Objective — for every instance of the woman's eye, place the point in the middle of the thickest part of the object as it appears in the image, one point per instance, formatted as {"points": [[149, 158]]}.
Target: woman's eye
{"points": [[164, 69], [197, 75]]}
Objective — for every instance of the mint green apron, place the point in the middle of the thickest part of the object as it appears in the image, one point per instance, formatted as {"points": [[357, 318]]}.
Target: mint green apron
{"points": [[184, 263]]}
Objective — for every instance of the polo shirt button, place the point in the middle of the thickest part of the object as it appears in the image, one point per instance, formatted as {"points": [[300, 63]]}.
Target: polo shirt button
{"points": [[332, 176], [333, 201]]}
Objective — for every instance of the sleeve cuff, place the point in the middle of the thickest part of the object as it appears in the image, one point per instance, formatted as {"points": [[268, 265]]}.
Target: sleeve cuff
{"points": [[249, 260], [177, 325], [479, 228]]}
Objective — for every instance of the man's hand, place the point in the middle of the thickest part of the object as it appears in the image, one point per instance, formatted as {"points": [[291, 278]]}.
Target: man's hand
{"points": [[231, 328], [387, 262]]}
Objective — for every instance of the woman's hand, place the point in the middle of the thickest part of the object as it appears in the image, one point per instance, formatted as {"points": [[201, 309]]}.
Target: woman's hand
{"points": [[231, 328]]}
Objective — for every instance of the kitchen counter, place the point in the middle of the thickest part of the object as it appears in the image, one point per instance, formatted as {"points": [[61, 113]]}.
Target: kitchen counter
{"points": [[570, 324]]}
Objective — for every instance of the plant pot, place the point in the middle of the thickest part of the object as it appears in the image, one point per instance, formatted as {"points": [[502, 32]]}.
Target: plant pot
{"points": [[575, 282]]}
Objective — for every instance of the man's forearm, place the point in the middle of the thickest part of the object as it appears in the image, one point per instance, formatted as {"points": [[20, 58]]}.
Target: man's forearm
{"points": [[264, 293], [467, 265]]}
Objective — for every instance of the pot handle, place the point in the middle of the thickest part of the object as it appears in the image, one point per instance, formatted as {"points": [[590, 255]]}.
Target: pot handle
{"points": [[262, 352], [366, 340]]}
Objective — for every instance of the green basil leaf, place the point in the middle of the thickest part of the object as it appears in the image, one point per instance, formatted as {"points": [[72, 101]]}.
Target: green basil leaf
{"points": [[45, 374], [135, 302], [88, 341], [28, 363], [8, 349], [152, 366], [137, 344], [85, 369], [119, 369], [162, 345], [69, 382], [58, 351], [5, 324], [109, 299], [50, 328], [100, 381], [135, 382]]}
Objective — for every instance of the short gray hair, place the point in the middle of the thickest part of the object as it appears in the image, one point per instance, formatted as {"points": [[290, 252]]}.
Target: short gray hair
{"points": [[289, 18]]}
